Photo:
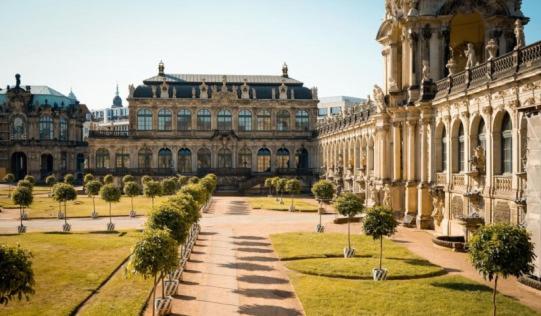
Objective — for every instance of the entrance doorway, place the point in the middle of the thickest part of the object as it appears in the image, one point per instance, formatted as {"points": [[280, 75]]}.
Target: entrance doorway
{"points": [[18, 165], [46, 165]]}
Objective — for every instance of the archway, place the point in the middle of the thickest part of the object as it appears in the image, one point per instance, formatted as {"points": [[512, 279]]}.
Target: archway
{"points": [[46, 165], [263, 160], [467, 28], [18, 165], [302, 158]]}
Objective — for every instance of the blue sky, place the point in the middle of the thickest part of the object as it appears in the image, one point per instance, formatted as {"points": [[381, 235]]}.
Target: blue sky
{"points": [[92, 45]]}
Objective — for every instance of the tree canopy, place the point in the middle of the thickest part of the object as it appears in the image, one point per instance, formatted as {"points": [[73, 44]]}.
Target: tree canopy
{"points": [[110, 193], [63, 192], [22, 196], [69, 178], [348, 204], [155, 252], [293, 186], [132, 189], [128, 178], [16, 274], [93, 187], [50, 180], [170, 217], [378, 222], [108, 179], [169, 186], [323, 190]]}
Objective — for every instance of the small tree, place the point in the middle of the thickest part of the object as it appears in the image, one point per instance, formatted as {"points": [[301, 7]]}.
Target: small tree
{"points": [[209, 184], [293, 186], [87, 178], [22, 196], [281, 187], [132, 189], [501, 250], [128, 178], [198, 193], [154, 254], [17, 275], [349, 205], [182, 181], [145, 179], [378, 222], [108, 179], [268, 185], [69, 178], [92, 188], [152, 189], [63, 192], [188, 204], [30, 179], [169, 186], [275, 184], [110, 194], [50, 181], [324, 191], [9, 179], [173, 218], [193, 180], [26, 184]]}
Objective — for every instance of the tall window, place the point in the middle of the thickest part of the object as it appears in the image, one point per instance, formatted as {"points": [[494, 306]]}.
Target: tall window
{"points": [[224, 120], [122, 159], [102, 158], [245, 121], [165, 158], [203, 158], [144, 158], [164, 120], [144, 120], [282, 120], [45, 127], [245, 158], [263, 120], [263, 160], [443, 150], [225, 159], [460, 151], [301, 120], [184, 120], [203, 120], [18, 128], [282, 157], [63, 128], [481, 135], [507, 145], [184, 160]]}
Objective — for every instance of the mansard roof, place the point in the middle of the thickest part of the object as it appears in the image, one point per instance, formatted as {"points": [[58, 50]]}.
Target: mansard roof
{"points": [[217, 79]]}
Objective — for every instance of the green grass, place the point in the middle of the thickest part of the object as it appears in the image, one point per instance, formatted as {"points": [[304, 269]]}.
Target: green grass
{"points": [[67, 267], [45, 206], [270, 203], [414, 286]]}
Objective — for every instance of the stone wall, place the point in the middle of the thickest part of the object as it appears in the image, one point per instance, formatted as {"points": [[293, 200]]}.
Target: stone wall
{"points": [[533, 192]]}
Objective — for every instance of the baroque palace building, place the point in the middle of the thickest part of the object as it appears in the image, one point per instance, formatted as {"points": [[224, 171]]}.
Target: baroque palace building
{"points": [[40, 132], [241, 127]]}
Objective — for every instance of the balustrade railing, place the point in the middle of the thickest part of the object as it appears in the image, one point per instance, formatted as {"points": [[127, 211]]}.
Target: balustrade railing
{"points": [[503, 183], [459, 181], [441, 178]]}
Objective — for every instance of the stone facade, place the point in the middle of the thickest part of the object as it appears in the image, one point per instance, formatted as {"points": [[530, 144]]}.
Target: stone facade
{"points": [[40, 132]]}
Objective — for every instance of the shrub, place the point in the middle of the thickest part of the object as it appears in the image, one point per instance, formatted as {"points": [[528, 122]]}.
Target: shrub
{"points": [[145, 179], [50, 180], [87, 178], [9, 178], [108, 179], [209, 184], [170, 217], [293, 186], [92, 188], [152, 189], [63, 192], [110, 194], [128, 178], [323, 190], [69, 178], [378, 222], [132, 189], [30, 179], [268, 185], [22, 196], [169, 186], [348, 204], [182, 180], [193, 180], [186, 203], [17, 275], [281, 185], [26, 184], [197, 191]]}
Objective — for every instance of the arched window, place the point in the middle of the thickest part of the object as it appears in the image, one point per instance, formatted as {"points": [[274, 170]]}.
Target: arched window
{"points": [[225, 159], [45, 127], [282, 120], [263, 160], [302, 158], [63, 128], [122, 159], [282, 157], [224, 120], [184, 160], [102, 158], [245, 158], [301, 120], [263, 120], [165, 158], [203, 120], [245, 121], [481, 135], [144, 120], [507, 144], [18, 128], [443, 150], [164, 120], [184, 120], [203, 158], [144, 158], [460, 149]]}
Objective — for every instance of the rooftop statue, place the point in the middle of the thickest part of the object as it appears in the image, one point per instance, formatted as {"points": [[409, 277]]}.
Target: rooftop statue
{"points": [[519, 34], [471, 57], [492, 49], [379, 98]]}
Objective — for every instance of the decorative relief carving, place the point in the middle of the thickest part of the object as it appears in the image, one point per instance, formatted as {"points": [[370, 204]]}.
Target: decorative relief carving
{"points": [[457, 207], [501, 213]]}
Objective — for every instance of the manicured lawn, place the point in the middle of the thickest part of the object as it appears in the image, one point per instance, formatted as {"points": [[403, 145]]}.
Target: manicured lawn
{"points": [[414, 286], [270, 203], [68, 267], [45, 206], [4, 191]]}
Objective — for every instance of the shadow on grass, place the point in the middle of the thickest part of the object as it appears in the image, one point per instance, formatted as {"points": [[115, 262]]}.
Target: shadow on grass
{"points": [[462, 287]]}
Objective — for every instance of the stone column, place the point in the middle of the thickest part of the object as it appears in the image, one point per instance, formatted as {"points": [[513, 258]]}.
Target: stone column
{"points": [[424, 220], [435, 55], [397, 157], [533, 191], [411, 189]]}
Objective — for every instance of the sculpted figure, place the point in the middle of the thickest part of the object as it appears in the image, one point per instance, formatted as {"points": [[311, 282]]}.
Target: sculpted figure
{"points": [[387, 202], [478, 159], [437, 212], [471, 57], [379, 98], [426, 70], [519, 34], [492, 49]]}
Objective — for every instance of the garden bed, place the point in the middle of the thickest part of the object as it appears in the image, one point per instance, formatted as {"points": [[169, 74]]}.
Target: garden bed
{"points": [[456, 243]]}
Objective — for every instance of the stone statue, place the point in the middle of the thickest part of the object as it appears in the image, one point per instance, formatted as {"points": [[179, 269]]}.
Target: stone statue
{"points": [[451, 63], [437, 212], [519, 34], [363, 160], [374, 194], [17, 81], [193, 92], [478, 160], [492, 49], [387, 201], [471, 57], [426, 70], [131, 89], [379, 98]]}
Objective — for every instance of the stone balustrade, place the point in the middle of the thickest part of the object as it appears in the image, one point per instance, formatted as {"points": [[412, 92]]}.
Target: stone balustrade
{"points": [[441, 178], [459, 180], [503, 183]]}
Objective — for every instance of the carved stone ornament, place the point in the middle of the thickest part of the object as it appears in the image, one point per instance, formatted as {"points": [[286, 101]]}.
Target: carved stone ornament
{"points": [[437, 212], [492, 49], [471, 56], [426, 70], [519, 34], [203, 89], [478, 161], [387, 201], [379, 98]]}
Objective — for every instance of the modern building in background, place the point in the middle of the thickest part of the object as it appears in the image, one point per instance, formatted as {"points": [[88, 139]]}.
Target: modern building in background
{"points": [[330, 106], [113, 118], [41, 132]]}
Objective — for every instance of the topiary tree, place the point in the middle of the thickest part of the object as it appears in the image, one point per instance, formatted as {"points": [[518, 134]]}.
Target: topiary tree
{"points": [[501, 250], [132, 189], [9, 179], [173, 218], [187, 203], [22, 196], [154, 254], [378, 222], [281, 188], [268, 185], [128, 178], [108, 179], [110, 194], [182, 180], [63, 192], [92, 188], [17, 275], [293, 186], [145, 179], [26, 184], [30, 179], [193, 180], [50, 181], [274, 182], [169, 186], [87, 178], [324, 191], [69, 178], [152, 189], [349, 205], [198, 193], [209, 184]]}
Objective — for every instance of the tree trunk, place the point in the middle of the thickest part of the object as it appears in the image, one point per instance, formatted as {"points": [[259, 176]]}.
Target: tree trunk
{"points": [[152, 198], [163, 284], [154, 297], [110, 215], [380, 250], [349, 236], [494, 295], [132, 203], [65, 213], [21, 212], [94, 203]]}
